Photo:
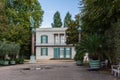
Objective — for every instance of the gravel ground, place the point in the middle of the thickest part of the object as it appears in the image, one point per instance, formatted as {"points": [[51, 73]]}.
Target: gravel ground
{"points": [[52, 71]]}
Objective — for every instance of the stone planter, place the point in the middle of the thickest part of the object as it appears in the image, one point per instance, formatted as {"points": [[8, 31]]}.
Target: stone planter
{"points": [[12, 62], [1, 62], [5, 63], [94, 64]]}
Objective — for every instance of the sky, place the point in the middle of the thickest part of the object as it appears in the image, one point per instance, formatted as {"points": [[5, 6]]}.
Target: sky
{"points": [[63, 6]]}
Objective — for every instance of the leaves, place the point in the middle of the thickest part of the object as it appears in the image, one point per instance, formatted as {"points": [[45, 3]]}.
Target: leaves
{"points": [[72, 33], [56, 20], [67, 19], [16, 26], [90, 44]]}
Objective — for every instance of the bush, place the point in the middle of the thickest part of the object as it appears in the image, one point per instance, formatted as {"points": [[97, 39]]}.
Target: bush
{"points": [[19, 60]]}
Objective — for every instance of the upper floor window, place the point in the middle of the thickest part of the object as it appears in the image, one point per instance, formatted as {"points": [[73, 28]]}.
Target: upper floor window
{"points": [[62, 39], [44, 39], [56, 39]]}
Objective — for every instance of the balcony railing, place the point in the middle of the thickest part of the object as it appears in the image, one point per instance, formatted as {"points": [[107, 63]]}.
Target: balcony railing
{"points": [[52, 44]]}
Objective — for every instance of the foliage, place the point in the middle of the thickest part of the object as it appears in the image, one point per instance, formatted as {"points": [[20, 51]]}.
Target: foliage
{"points": [[99, 17], [8, 48], [72, 33], [56, 20], [18, 14], [19, 60], [20, 35], [90, 44], [113, 42], [4, 24], [67, 19], [117, 40], [20, 11]]}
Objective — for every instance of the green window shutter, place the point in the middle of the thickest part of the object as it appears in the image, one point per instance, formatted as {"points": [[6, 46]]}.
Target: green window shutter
{"points": [[41, 39], [58, 53], [46, 51], [55, 52], [46, 39], [41, 51], [64, 52], [70, 52]]}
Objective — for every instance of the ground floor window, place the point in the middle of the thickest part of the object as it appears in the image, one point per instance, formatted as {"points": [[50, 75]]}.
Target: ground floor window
{"points": [[68, 52], [44, 51], [62, 52]]}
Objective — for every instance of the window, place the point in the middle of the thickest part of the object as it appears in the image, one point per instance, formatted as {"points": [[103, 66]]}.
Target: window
{"points": [[56, 40], [44, 51], [62, 53], [67, 52], [62, 41], [44, 39]]}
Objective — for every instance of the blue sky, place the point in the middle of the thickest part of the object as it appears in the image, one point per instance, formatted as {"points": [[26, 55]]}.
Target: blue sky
{"points": [[63, 6]]}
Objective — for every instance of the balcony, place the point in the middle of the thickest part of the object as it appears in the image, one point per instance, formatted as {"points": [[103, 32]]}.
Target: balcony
{"points": [[52, 45]]}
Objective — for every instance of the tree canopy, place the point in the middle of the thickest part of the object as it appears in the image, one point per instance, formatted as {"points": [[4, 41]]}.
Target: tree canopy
{"points": [[100, 17], [57, 23], [67, 19], [18, 13], [72, 33]]}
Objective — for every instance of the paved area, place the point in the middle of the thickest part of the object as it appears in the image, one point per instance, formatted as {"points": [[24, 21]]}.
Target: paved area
{"points": [[52, 71]]}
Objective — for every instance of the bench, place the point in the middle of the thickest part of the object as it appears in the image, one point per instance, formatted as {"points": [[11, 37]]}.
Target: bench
{"points": [[115, 70]]}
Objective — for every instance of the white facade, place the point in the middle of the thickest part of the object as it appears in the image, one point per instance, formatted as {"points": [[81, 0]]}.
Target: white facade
{"points": [[50, 43]]}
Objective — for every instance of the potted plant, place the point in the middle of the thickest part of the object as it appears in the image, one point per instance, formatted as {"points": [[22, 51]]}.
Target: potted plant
{"points": [[79, 54], [92, 44], [4, 52], [79, 60], [20, 60], [13, 52]]}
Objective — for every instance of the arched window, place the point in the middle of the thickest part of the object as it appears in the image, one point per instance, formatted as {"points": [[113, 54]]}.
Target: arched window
{"points": [[44, 39]]}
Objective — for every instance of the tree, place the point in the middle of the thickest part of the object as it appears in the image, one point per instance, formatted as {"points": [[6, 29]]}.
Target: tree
{"points": [[18, 13], [98, 17], [4, 24], [72, 33], [90, 44], [67, 19], [56, 20]]}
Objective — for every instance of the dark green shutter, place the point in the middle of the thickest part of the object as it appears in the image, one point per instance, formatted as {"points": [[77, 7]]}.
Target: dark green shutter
{"points": [[41, 39], [46, 39], [46, 51], [41, 51], [55, 52], [64, 53], [70, 52], [58, 55]]}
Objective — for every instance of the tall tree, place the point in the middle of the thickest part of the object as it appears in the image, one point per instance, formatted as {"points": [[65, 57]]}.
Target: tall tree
{"points": [[98, 17], [67, 19], [72, 33], [19, 12], [4, 23], [72, 30], [56, 20]]}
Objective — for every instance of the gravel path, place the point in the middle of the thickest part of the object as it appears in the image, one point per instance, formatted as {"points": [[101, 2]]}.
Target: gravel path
{"points": [[52, 71]]}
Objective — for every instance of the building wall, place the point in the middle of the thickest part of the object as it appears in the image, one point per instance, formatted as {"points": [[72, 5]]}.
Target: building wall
{"points": [[50, 53], [50, 32]]}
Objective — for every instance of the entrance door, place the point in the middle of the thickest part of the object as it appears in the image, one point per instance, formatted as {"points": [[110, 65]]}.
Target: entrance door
{"points": [[56, 53]]}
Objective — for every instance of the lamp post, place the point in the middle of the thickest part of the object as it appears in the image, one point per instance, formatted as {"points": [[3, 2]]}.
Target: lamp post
{"points": [[79, 32], [32, 57]]}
